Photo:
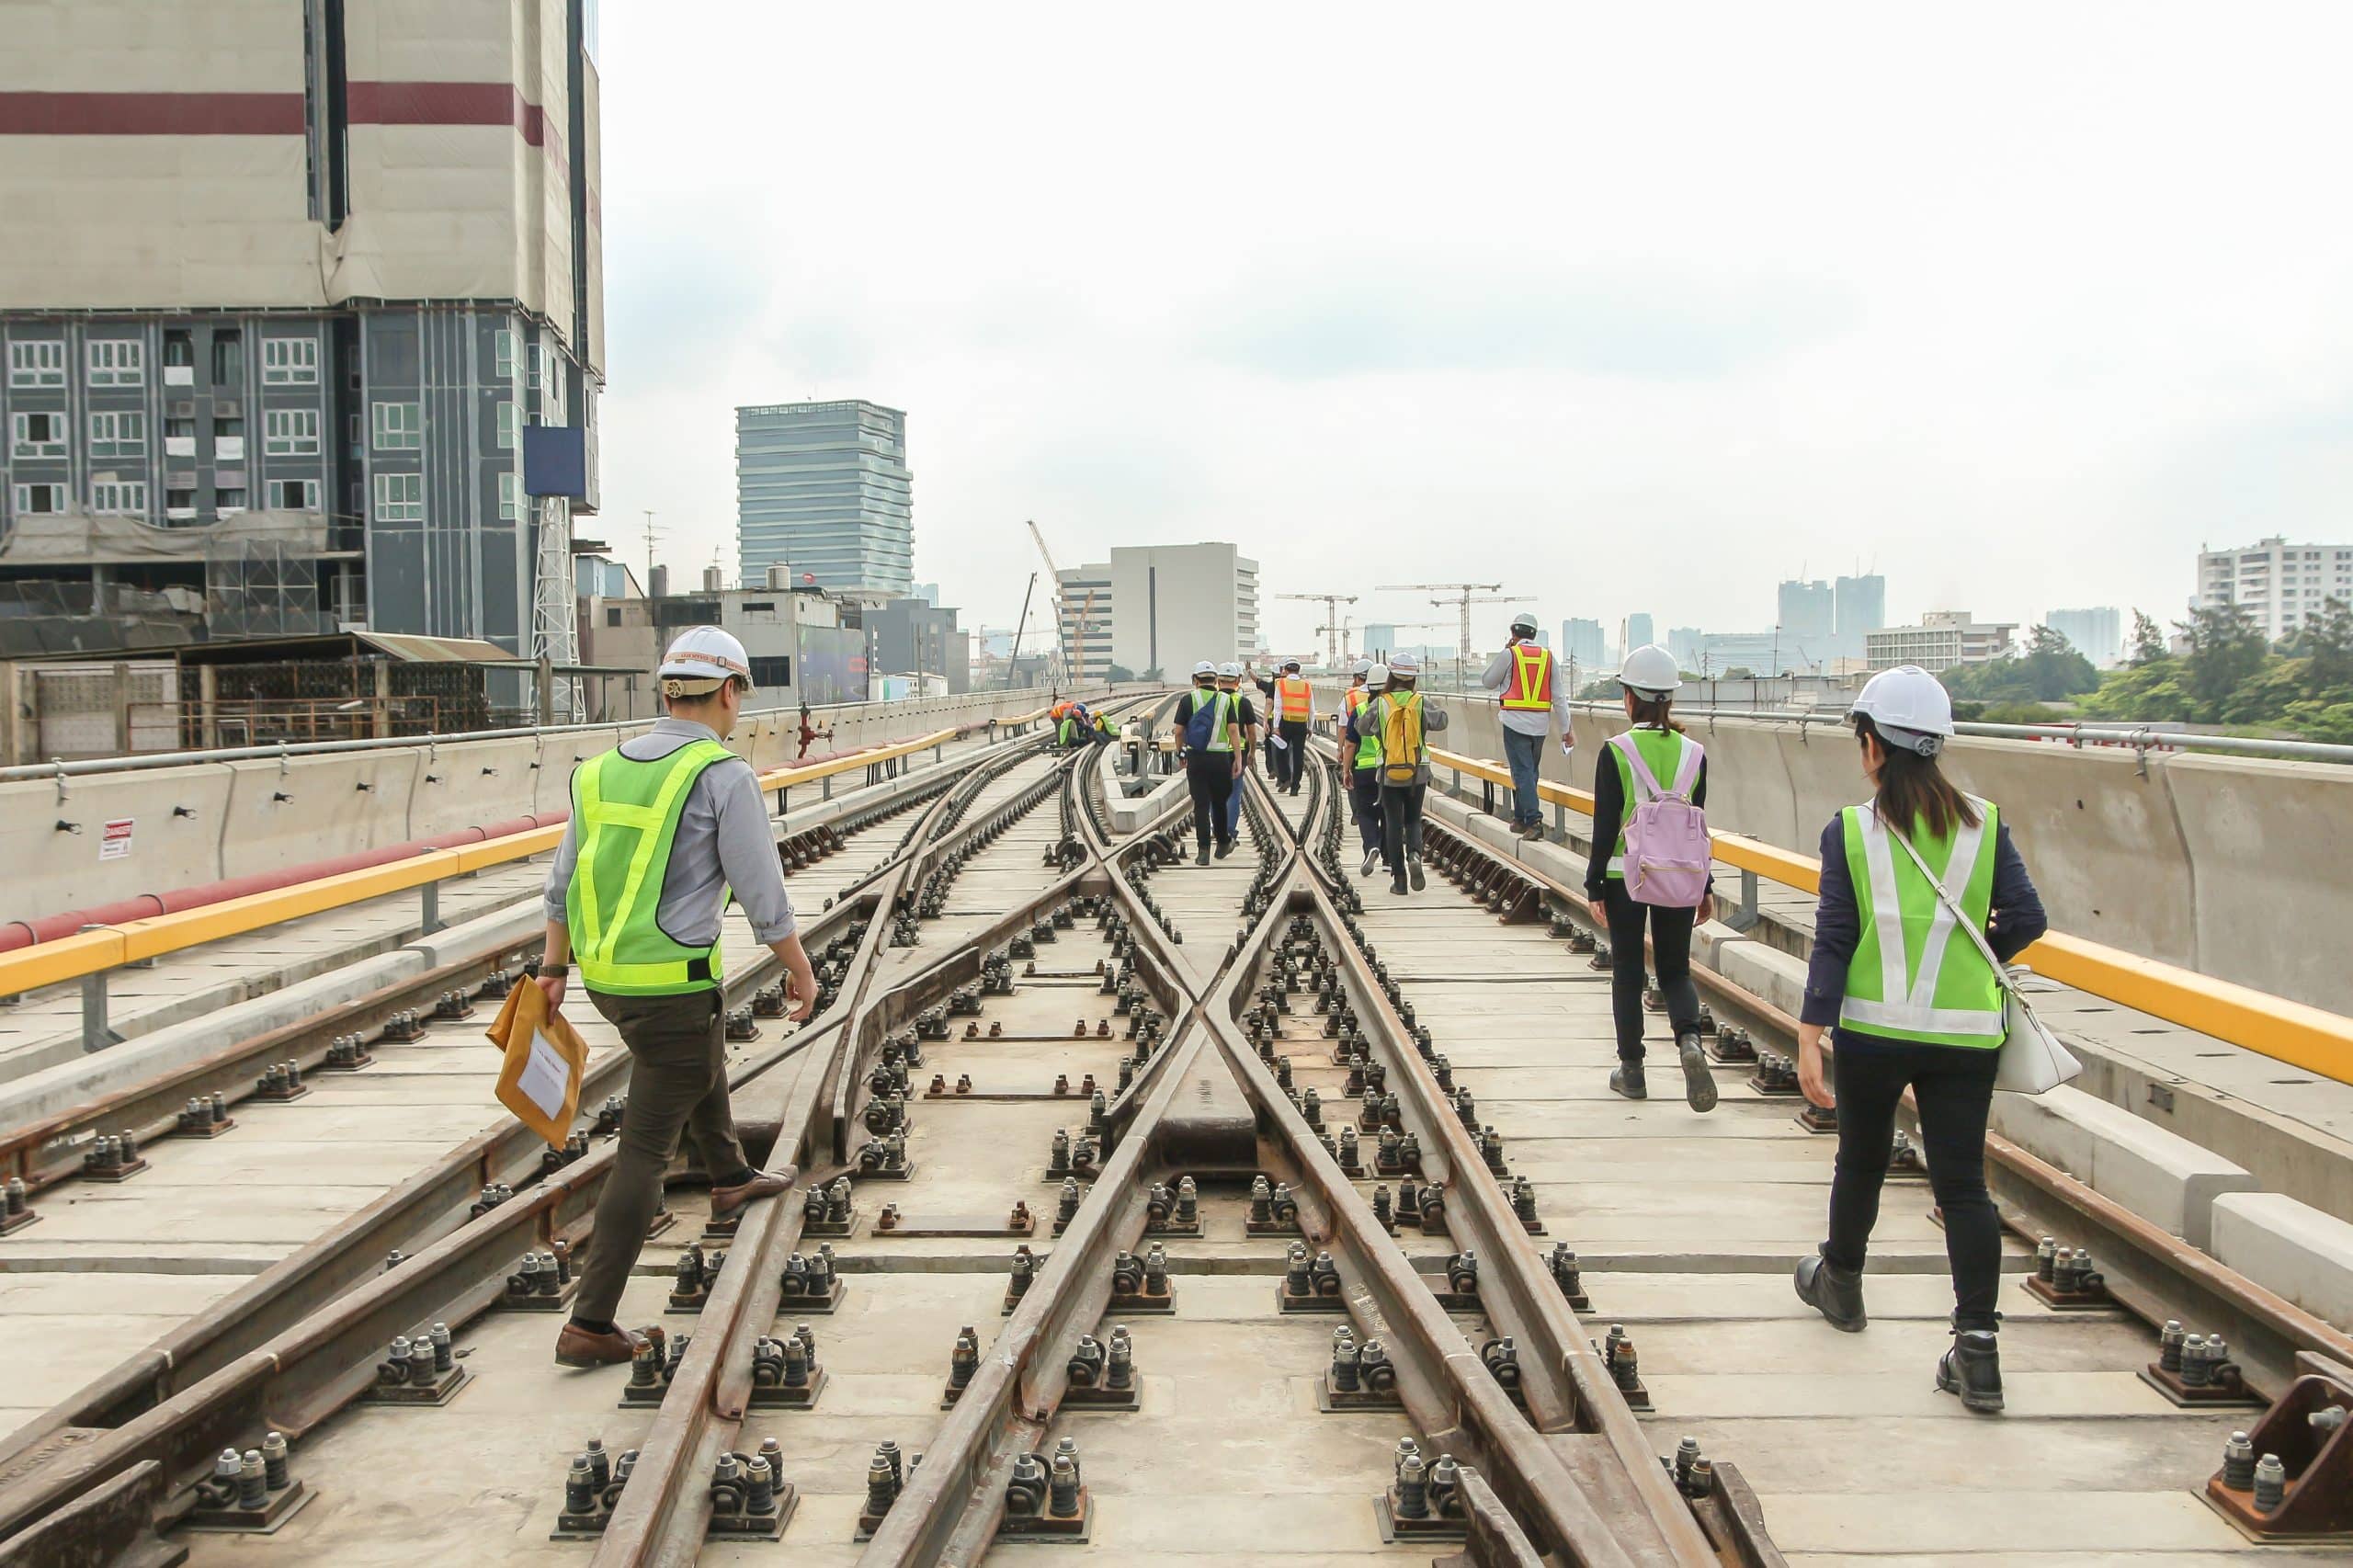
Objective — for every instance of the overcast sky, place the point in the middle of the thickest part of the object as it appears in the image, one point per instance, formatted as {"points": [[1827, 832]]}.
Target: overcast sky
{"points": [[1627, 308]]}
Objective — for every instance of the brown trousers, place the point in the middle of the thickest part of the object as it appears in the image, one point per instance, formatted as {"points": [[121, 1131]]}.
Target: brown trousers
{"points": [[677, 1081]]}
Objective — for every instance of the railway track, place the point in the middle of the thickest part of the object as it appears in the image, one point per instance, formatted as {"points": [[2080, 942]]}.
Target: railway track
{"points": [[1166, 1212]]}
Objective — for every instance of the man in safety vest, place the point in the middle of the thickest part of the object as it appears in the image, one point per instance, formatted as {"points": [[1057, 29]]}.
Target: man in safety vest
{"points": [[1290, 697], [1229, 680], [1404, 722], [1210, 737], [664, 827], [1532, 699], [1360, 756], [1360, 675]]}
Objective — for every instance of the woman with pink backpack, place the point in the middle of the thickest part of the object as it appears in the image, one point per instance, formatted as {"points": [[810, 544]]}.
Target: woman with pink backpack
{"points": [[1650, 867]]}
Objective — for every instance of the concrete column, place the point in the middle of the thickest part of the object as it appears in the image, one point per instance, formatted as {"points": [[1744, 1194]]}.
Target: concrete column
{"points": [[122, 710], [207, 695], [382, 725], [12, 749]]}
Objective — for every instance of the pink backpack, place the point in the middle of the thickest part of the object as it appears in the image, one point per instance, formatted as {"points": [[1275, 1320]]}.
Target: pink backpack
{"points": [[1666, 836]]}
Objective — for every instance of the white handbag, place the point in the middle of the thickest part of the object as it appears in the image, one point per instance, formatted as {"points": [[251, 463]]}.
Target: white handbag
{"points": [[2032, 1061]]}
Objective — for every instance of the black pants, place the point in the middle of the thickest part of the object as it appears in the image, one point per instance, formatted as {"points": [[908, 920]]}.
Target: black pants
{"points": [[1209, 776], [1401, 825], [1364, 794], [1291, 762], [1952, 1086], [1670, 960], [677, 1081]]}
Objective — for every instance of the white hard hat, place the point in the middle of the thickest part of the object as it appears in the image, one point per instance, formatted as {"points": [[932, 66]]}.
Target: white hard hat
{"points": [[1363, 667], [1376, 675], [1524, 622], [1231, 669], [699, 659], [1204, 669], [1405, 665], [1908, 707], [1652, 671]]}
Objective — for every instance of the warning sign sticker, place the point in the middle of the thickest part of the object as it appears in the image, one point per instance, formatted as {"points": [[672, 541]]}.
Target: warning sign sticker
{"points": [[114, 839]]}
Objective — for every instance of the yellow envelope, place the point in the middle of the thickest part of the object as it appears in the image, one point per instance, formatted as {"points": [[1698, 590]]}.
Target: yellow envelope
{"points": [[546, 1059]]}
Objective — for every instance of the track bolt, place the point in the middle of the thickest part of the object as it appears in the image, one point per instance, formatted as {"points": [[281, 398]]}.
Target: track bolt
{"points": [[2270, 1484], [2238, 1462]]}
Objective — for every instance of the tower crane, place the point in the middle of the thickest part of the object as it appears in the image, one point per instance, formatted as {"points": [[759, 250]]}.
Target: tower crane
{"points": [[1463, 596], [1331, 627], [1075, 660]]}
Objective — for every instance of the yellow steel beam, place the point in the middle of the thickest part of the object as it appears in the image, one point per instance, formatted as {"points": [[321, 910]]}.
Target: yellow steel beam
{"points": [[2306, 1037], [88, 952]]}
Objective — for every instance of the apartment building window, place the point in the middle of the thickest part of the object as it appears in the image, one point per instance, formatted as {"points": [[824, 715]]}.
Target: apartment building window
{"points": [[117, 435], [37, 434], [179, 500], [400, 428], [510, 492], [400, 498], [229, 358], [117, 362], [507, 423], [125, 499], [612, 615], [502, 353], [290, 433], [539, 365], [768, 674], [295, 494], [230, 500], [35, 498], [289, 361], [37, 364], [227, 428], [179, 348]]}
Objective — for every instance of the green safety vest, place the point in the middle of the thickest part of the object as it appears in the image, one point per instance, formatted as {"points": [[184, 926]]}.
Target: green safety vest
{"points": [[627, 814], [1067, 728], [1915, 975], [1663, 751], [1221, 720], [1368, 735]]}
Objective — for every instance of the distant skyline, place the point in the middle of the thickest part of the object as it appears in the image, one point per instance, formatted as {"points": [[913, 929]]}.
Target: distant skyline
{"points": [[1645, 313]]}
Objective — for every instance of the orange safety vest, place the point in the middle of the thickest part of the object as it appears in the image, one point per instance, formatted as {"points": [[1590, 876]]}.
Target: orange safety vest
{"points": [[1352, 700], [1531, 688], [1293, 697]]}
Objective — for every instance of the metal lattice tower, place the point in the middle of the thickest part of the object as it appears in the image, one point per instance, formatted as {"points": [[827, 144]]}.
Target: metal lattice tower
{"points": [[555, 616]]}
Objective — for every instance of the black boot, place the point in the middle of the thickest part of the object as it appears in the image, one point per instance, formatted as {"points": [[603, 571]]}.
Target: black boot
{"points": [[1698, 1081], [1201, 858], [1973, 1368], [1397, 886], [1626, 1079], [1836, 1294]]}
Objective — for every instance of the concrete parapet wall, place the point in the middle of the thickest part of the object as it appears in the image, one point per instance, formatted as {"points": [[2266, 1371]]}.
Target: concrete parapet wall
{"points": [[2234, 867], [207, 821]]}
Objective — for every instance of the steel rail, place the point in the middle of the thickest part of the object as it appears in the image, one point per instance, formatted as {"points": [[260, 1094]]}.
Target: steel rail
{"points": [[663, 1515], [451, 1279]]}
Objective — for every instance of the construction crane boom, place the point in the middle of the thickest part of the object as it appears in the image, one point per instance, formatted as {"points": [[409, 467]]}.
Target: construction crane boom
{"points": [[1074, 659], [1331, 627], [1462, 595]]}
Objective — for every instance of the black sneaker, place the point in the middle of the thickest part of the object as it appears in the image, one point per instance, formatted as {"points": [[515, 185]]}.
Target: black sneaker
{"points": [[1973, 1368], [1699, 1082], [1371, 862], [1414, 871], [1224, 847], [1202, 857], [1626, 1079], [1836, 1294], [1397, 886]]}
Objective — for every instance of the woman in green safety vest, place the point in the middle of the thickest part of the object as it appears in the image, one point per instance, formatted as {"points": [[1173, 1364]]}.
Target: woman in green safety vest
{"points": [[1910, 1002]]}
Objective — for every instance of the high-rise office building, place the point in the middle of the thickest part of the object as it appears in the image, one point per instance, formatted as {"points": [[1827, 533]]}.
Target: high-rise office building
{"points": [[1163, 607], [1581, 641], [1638, 633], [290, 326], [2097, 634], [2283, 587], [1807, 615], [825, 487], [1684, 642], [1861, 610], [1380, 640], [1084, 622]]}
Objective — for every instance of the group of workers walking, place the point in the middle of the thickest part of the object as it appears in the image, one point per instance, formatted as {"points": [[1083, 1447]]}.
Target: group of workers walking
{"points": [[668, 826]]}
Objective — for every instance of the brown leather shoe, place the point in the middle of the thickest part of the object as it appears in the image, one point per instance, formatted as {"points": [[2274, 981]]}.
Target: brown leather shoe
{"points": [[575, 1346], [725, 1200]]}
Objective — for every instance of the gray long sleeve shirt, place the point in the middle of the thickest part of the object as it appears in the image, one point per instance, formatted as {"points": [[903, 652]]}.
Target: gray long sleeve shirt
{"points": [[1535, 721], [723, 843]]}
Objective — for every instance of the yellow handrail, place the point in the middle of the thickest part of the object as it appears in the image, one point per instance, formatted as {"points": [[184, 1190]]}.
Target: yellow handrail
{"points": [[88, 952], [2311, 1038]]}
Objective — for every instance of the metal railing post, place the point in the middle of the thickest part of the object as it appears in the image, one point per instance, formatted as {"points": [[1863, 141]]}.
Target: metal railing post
{"points": [[97, 1035], [1745, 917], [431, 899]]}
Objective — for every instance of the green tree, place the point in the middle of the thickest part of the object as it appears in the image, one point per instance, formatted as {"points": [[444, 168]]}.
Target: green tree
{"points": [[2329, 644], [1156, 673], [1121, 673], [2148, 641], [2227, 650]]}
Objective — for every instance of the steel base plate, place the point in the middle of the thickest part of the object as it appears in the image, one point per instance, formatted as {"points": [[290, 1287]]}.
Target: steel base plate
{"points": [[268, 1519]]}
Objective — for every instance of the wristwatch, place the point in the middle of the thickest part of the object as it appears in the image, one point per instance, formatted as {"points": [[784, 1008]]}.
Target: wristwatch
{"points": [[555, 971]]}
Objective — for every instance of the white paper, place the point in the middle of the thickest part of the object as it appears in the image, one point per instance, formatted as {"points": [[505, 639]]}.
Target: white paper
{"points": [[544, 1076]]}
